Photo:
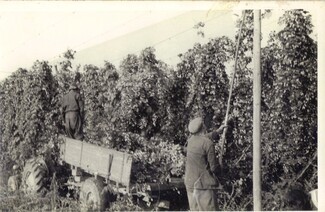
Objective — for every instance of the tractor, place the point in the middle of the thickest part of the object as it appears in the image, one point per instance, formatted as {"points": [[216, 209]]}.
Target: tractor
{"points": [[97, 175]]}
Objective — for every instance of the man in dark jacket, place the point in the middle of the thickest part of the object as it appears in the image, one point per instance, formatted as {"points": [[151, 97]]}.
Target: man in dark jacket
{"points": [[72, 111], [201, 167]]}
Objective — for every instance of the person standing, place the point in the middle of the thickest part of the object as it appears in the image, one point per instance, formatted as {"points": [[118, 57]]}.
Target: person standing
{"points": [[72, 112], [201, 167]]}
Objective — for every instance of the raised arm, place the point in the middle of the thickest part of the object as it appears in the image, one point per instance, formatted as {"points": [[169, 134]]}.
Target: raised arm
{"points": [[214, 135]]}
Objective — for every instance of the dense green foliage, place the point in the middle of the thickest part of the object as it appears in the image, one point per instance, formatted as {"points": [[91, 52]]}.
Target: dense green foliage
{"points": [[290, 124], [98, 87], [29, 108], [143, 93], [144, 106]]}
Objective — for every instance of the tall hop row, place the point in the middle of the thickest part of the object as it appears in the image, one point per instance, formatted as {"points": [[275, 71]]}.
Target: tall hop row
{"points": [[144, 106]]}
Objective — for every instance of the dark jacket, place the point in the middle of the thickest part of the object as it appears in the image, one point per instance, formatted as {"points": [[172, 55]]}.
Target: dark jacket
{"points": [[201, 160], [72, 102], [72, 112]]}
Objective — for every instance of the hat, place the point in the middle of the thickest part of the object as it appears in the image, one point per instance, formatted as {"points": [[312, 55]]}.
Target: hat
{"points": [[195, 125], [73, 86]]}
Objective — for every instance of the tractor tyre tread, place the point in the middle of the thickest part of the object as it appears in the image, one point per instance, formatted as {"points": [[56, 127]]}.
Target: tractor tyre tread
{"points": [[38, 172], [96, 187]]}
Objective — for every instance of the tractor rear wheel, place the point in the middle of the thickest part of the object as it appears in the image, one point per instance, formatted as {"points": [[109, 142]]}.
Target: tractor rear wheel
{"points": [[34, 174], [93, 195]]}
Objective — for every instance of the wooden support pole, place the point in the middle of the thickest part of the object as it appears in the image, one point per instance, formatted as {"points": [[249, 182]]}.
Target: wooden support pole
{"points": [[257, 112], [223, 138]]}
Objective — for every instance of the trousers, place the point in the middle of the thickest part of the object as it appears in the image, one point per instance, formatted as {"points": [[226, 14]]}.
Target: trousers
{"points": [[73, 125], [202, 200]]}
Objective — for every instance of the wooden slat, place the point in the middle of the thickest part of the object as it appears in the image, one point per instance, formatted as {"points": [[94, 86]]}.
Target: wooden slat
{"points": [[73, 152], [127, 170], [95, 160]]}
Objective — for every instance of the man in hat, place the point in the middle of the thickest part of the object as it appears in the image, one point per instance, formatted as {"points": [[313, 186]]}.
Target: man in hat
{"points": [[201, 167], [72, 112]]}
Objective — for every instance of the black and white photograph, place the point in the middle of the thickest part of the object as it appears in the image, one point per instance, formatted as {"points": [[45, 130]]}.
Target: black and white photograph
{"points": [[161, 105]]}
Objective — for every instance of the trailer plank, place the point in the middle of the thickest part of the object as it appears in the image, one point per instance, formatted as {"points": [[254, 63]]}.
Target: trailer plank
{"points": [[108, 163]]}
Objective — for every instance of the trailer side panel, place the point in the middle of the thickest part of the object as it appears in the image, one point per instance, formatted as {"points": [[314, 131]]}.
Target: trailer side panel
{"points": [[104, 162]]}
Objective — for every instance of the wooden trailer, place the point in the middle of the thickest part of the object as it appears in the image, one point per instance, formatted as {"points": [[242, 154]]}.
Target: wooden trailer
{"points": [[100, 172]]}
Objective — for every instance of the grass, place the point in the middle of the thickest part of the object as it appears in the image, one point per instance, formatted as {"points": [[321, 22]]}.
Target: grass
{"points": [[49, 201], [18, 201]]}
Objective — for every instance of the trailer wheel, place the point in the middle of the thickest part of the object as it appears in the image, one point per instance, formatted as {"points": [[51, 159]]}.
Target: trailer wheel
{"points": [[93, 196], [13, 183], [34, 174]]}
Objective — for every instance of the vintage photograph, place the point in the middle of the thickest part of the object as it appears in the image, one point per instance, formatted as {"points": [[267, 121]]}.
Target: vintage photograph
{"points": [[146, 106]]}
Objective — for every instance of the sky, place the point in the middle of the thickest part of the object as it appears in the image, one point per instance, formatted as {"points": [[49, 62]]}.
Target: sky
{"points": [[99, 31]]}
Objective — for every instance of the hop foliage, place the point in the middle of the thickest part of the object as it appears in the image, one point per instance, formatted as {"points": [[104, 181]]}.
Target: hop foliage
{"points": [[144, 107], [155, 160], [291, 129], [289, 113], [143, 89], [98, 86], [200, 86], [29, 112]]}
